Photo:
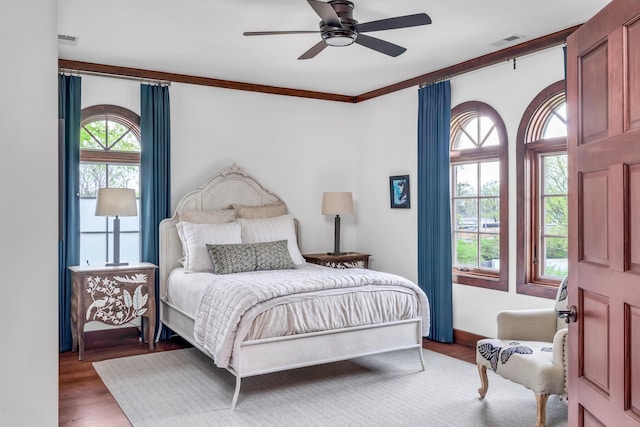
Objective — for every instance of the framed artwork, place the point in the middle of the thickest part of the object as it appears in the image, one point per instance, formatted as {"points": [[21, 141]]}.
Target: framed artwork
{"points": [[399, 191]]}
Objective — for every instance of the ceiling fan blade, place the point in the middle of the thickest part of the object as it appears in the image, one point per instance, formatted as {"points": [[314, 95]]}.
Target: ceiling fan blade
{"points": [[380, 45], [275, 33], [316, 49], [326, 12], [393, 23]]}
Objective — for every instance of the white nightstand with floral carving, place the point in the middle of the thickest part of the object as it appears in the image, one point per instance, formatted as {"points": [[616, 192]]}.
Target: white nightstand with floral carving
{"points": [[346, 260], [112, 295]]}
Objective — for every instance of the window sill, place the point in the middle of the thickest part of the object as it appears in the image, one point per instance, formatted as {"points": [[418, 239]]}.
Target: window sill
{"points": [[480, 281], [548, 291]]}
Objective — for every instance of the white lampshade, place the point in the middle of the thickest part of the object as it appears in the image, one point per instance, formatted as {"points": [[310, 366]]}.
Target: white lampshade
{"points": [[337, 203], [116, 202]]}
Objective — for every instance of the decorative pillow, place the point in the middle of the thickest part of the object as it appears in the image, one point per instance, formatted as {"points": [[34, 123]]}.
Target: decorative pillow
{"points": [[238, 258], [270, 230], [194, 238], [207, 217], [264, 211]]}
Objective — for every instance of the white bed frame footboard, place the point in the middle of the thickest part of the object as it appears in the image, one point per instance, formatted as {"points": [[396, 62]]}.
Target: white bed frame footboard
{"points": [[263, 356]]}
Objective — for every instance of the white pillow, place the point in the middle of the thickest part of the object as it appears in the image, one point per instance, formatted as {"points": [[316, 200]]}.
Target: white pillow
{"points": [[208, 217], [195, 237], [270, 230]]}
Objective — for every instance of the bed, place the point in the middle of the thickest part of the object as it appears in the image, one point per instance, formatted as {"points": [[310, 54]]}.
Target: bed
{"points": [[258, 339]]}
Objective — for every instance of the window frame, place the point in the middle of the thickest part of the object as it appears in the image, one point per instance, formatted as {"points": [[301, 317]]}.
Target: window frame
{"points": [[459, 115], [528, 156], [125, 117]]}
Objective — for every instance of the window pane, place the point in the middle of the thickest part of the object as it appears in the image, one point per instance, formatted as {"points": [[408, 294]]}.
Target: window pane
{"points": [[555, 174], [490, 215], [129, 142], [124, 176], [466, 177], [555, 262], [490, 179], [471, 128], [93, 248], [92, 177], [556, 125], [555, 216], [463, 142], [129, 247], [466, 214], [466, 248], [88, 219], [94, 135], [488, 134], [490, 252]]}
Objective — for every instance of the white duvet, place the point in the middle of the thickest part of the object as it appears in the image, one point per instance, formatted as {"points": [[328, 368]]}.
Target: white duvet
{"points": [[264, 304]]}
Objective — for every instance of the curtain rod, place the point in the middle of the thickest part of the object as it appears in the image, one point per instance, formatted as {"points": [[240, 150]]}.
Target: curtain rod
{"points": [[115, 76], [507, 59]]}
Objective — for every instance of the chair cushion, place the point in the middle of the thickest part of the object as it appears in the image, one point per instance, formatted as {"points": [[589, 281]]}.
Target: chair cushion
{"points": [[529, 363]]}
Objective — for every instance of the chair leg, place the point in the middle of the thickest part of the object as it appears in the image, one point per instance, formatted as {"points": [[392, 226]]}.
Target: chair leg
{"points": [[484, 381], [541, 409]]}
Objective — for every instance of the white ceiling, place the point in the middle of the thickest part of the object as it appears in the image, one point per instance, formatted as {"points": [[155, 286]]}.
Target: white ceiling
{"points": [[204, 37]]}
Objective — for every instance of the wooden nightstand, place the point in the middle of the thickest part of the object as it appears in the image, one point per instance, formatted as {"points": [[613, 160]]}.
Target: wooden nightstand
{"points": [[112, 295], [348, 260]]}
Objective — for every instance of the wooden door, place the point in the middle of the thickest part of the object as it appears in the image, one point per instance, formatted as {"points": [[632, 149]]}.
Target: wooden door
{"points": [[603, 95]]}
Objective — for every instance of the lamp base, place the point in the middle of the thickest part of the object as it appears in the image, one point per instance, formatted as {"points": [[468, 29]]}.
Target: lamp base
{"points": [[336, 253], [116, 264]]}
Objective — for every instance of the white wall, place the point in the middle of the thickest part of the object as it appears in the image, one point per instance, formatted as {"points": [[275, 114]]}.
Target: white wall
{"points": [[299, 148], [388, 147], [296, 147], [29, 214]]}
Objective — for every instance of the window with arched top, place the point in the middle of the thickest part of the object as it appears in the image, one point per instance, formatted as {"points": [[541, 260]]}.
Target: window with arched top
{"points": [[479, 196], [542, 215], [109, 157]]}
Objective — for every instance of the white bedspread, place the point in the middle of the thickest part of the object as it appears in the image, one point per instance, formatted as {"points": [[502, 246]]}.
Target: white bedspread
{"points": [[231, 302]]}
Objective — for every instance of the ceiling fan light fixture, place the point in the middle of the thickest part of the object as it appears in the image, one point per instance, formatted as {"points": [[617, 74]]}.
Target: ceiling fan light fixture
{"points": [[339, 37]]}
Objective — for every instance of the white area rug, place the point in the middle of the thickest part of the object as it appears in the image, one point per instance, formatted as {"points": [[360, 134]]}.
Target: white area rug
{"points": [[184, 388]]}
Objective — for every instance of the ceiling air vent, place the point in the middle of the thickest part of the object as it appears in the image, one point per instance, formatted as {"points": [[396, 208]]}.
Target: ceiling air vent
{"points": [[65, 39], [507, 40]]}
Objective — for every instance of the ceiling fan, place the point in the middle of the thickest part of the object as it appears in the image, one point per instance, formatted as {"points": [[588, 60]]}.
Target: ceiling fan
{"points": [[338, 28]]}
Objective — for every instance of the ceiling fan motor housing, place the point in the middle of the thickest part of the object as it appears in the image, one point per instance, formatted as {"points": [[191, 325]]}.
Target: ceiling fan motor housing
{"points": [[344, 35]]}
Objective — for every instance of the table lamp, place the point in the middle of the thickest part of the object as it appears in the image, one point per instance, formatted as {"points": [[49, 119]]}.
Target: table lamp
{"points": [[337, 203], [116, 202]]}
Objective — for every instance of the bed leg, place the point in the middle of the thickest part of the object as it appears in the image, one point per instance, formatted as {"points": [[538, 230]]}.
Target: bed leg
{"points": [[421, 357], [236, 393]]}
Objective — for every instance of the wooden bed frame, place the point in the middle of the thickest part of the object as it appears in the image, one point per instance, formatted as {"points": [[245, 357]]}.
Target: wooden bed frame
{"points": [[234, 185]]}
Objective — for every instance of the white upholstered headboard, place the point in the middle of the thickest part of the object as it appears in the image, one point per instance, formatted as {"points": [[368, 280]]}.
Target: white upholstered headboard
{"points": [[232, 185]]}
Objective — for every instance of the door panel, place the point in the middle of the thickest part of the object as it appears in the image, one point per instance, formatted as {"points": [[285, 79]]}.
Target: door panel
{"points": [[594, 243], [633, 221], [603, 97], [632, 87], [595, 319], [593, 102], [632, 388], [588, 420]]}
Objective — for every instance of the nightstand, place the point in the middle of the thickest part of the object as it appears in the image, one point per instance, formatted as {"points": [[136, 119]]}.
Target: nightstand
{"points": [[348, 260], [112, 295]]}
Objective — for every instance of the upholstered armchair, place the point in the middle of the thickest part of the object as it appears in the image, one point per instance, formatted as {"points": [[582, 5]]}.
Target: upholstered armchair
{"points": [[531, 349]]}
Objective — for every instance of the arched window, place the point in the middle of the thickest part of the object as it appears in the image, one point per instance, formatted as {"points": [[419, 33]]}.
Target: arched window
{"points": [[479, 196], [542, 214], [109, 157]]}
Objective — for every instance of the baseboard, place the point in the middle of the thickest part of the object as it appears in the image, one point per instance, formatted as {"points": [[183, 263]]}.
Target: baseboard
{"points": [[466, 338]]}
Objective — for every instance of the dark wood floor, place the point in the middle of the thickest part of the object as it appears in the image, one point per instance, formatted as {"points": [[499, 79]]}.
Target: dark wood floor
{"points": [[85, 401]]}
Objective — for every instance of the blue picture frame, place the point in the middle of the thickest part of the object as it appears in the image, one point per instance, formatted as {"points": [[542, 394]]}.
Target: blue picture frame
{"points": [[399, 193]]}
